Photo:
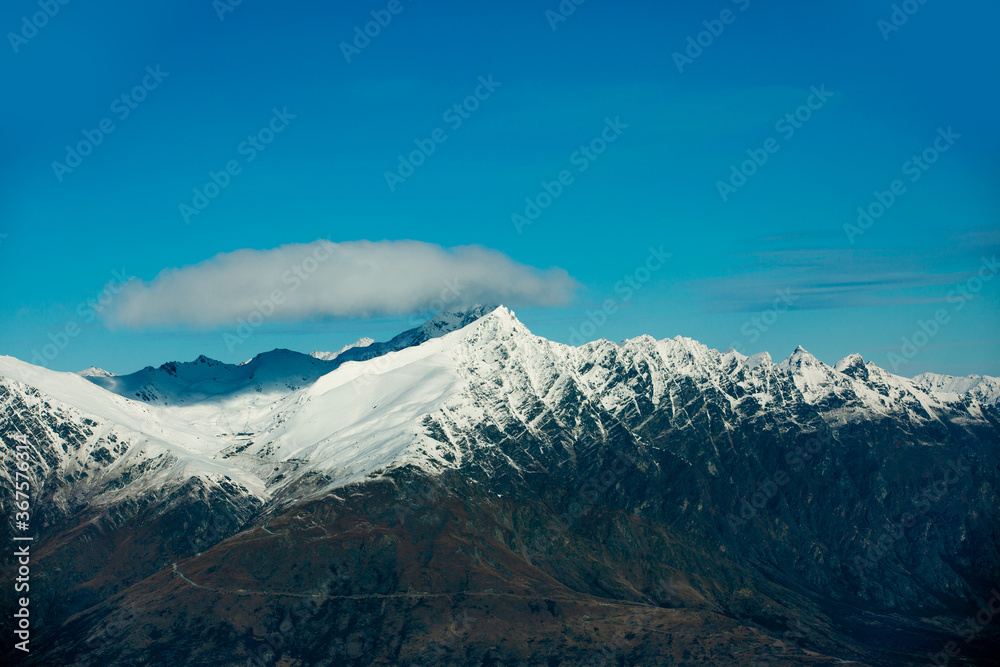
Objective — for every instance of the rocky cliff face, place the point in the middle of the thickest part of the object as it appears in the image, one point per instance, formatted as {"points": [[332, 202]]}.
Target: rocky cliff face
{"points": [[473, 494]]}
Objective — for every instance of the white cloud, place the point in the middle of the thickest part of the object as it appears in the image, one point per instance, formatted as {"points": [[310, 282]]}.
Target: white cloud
{"points": [[353, 279]]}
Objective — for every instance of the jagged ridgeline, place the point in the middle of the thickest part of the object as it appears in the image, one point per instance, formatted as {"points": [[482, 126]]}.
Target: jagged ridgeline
{"points": [[471, 494]]}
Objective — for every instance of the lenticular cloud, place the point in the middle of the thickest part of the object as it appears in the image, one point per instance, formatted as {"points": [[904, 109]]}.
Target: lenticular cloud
{"points": [[353, 279]]}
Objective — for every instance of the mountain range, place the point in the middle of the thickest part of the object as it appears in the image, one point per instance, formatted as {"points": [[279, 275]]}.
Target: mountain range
{"points": [[468, 493]]}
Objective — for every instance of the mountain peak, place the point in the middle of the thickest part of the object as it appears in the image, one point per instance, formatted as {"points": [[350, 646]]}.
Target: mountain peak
{"points": [[799, 357], [94, 371], [801, 362], [850, 361], [329, 356], [447, 321], [759, 359], [852, 365]]}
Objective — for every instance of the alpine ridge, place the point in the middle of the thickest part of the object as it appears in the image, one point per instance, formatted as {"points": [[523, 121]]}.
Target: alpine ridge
{"points": [[631, 502]]}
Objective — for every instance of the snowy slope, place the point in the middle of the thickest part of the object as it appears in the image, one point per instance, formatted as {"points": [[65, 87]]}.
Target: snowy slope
{"points": [[360, 418], [285, 419], [265, 424], [184, 383], [271, 373], [125, 435], [949, 388]]}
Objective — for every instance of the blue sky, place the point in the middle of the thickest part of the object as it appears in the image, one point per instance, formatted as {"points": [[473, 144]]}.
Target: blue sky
{"points": [[768, 266]]}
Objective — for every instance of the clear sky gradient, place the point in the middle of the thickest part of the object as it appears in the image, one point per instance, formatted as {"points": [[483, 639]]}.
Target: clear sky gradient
{"points": [[764, 264]]}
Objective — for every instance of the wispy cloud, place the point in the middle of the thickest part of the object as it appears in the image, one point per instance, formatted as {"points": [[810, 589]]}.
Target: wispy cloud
{"points": [[836, 278], [325, 279], [978, 239]]}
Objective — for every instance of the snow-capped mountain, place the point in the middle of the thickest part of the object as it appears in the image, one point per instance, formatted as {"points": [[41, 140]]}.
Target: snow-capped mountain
{"points": [[982, 388], [270, 373], [285, 415], [329, 356], [475, 398]]}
